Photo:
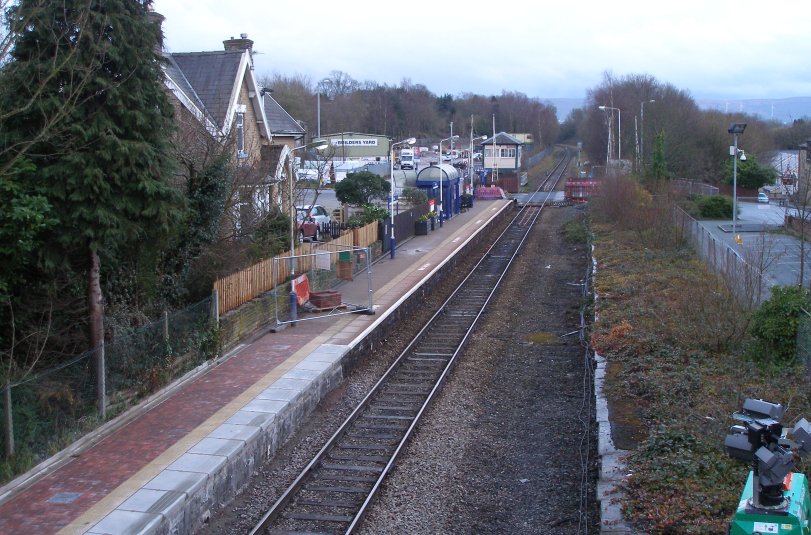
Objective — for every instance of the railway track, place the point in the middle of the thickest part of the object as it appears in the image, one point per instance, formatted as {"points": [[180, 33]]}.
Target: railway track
{"points": [[334, 491]]}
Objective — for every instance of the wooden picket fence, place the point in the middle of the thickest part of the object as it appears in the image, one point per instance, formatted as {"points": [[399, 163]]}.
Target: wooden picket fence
{"points": [[242, 286]]}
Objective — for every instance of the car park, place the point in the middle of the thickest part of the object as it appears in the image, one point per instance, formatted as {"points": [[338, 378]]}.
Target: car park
{"points": [[310, 219]]}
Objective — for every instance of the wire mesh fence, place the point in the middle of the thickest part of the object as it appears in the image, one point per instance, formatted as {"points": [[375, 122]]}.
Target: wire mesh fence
{"points": [[45, 412], [743, 272], [804, 340], [314, 288]]}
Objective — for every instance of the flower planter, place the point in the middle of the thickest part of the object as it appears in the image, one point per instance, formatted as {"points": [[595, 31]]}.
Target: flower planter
{"points": [[421, 228]]}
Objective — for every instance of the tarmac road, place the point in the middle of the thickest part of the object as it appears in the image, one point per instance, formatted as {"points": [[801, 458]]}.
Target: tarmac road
{"points": [[756, 225]]}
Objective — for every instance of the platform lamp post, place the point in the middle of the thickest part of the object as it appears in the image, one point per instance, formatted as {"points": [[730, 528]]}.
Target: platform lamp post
{"points": [[642, 130], [409, 141], [470, 160], [318, 144], [439, 168], [735, 129], [319, 90], [619, 133]]}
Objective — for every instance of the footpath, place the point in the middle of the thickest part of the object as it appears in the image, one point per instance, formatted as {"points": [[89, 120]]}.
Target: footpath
{"points": [[175, 458]]}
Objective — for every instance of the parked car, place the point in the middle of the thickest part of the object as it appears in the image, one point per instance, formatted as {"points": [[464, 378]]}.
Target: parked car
{"points": [[310, 218], [762, 197]]}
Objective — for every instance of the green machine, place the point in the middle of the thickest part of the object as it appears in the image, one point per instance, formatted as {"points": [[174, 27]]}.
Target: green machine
{"points": [[775, 499]]}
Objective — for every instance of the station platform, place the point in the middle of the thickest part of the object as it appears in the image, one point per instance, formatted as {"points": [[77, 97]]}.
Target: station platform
{"points": [[165, 465]]}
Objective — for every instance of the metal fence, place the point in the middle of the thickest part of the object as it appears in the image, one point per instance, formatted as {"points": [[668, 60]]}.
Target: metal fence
{"points": [[742, 274], [317, 273], [45, 412], [535, 159], [689, 187], [804, 340]]}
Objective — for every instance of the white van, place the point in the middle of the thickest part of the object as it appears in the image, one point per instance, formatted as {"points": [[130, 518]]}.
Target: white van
{"points": [[407, 159]]}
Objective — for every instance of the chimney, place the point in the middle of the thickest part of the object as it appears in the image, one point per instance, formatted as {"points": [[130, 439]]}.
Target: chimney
{"points": [[157, 19], [240, 44]]}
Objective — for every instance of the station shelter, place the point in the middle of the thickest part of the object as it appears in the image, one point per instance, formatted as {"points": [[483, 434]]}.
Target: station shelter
{"points": [[431, 179]]}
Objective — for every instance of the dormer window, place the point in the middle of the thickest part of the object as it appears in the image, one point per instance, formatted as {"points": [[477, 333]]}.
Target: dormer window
{"points": [[240, 131]]}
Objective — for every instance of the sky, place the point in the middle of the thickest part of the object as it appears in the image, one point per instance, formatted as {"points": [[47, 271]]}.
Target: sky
{"points": [[717, 49]]}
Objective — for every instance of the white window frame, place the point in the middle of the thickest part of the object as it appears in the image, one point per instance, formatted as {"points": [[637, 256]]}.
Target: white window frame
{"points": [[240, 130]]}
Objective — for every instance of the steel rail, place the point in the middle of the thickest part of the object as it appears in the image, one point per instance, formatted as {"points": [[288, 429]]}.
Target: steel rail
{"points": [[379, 428]]}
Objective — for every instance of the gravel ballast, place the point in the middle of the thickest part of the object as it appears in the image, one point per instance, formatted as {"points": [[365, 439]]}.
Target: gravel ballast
{"points": [[508, 445]]}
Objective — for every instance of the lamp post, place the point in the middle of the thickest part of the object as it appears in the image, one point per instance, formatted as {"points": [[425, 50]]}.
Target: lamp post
{"points": [[318, 106], [317, 145], [619, 133], [735, 129], [439, 168], [409, 141], [470, 158], [642, 130]]}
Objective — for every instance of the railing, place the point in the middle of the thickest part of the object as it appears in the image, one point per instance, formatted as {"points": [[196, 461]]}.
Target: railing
{"points": [[742, 275], [689, 187], [46, 411], [240, 287]]}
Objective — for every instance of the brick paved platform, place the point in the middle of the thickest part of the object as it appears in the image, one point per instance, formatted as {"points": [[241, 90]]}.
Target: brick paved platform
{"points": [[174, 461]]}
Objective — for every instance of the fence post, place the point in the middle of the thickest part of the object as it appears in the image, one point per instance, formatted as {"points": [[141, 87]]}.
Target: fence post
{"points": [[215, 307], [101, 383], [8, 420]]}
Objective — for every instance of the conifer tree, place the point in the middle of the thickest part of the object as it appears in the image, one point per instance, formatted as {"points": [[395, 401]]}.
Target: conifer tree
{"points": [[105, 172]]}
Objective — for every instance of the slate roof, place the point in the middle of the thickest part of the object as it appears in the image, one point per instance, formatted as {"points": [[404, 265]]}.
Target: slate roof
{"points": [[212, 76], [502, 138], [173, 72], [279, 121]]}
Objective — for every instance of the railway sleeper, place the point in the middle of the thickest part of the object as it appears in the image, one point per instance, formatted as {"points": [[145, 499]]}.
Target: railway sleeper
{"points": [[381, 426], [318, 518], [356, 457], [329, 503], [343, 477], [351, 467], [366, 435]]}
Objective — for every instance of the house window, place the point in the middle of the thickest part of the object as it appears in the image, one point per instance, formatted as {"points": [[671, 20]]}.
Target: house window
{"points": [[507, 153], [240, 131]]}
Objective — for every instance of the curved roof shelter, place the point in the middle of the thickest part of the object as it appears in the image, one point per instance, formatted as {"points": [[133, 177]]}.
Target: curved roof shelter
{"points": [[436, 173]]}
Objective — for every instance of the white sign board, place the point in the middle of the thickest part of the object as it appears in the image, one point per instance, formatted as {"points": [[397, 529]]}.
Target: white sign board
{"points": [[354, 142]]}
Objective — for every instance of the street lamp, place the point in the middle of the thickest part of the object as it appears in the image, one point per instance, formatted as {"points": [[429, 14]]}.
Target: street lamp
{"points": [[439, 168], [735, 129], [619, 133], [318, 105], [470, 158], [642, 130], [318, 144], [409, 141]]}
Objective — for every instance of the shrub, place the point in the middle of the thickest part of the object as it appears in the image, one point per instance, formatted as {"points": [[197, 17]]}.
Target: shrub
{"points": [[414, 196], [774, 325], [369, 214], [714, 207]]}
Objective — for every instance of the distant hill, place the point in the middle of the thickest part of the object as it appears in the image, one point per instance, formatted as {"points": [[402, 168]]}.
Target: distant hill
{"points": [[783, 110], [564, 106]]}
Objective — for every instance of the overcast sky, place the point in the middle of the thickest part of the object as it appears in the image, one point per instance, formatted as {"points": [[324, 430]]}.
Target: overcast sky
{"points": [[712, 48]]}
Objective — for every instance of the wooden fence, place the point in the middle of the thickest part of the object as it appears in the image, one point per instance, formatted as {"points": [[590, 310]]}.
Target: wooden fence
{"points": [[242, 286]]}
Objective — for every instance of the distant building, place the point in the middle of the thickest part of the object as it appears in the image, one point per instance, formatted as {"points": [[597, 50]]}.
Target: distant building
{"points": [[217, 94], [348, 146], [502, 160]]}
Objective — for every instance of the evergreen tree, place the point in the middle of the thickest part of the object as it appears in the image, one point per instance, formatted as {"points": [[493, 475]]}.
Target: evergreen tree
{"points": [[106, 171], [659, 167], [361, 188]]}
